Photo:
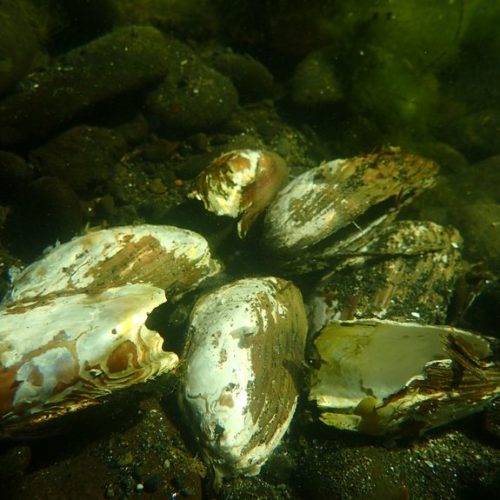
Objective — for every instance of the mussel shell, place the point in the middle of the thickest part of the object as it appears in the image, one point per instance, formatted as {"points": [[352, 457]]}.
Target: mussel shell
{"points": [[63, 353], [167, 257], [241, 182], [72, 328], [335, 207], [406, 272], [245, 347], [384, 377]]}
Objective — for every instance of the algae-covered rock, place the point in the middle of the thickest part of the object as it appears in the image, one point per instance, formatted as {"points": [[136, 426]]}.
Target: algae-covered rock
{"points": [[480, 225], [395, 92], [83, 156], [477, 134], [315, 82], [250, 77], [124, 60], [469, 200], [193, 97]]}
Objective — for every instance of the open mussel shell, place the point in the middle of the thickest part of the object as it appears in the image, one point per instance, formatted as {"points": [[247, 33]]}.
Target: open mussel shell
{"points": [[241, 183], [406, 272], [167, 257], [386, 377], [72, 328], [63, 353], [239, 391], [333, 208]]}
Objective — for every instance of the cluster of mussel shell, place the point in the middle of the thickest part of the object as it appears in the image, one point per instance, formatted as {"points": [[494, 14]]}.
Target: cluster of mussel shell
{"points": [[371, 319]]}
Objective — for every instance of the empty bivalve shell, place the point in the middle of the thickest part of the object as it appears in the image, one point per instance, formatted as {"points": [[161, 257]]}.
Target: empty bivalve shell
{"points": [[62, 354], [335, 207], [241, 182], [168, 257], [406, 272], [245, 347], [72, 328], [386, 377]]}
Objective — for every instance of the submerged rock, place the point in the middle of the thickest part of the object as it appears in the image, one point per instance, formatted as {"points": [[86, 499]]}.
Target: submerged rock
{"points": [[124, 60]]}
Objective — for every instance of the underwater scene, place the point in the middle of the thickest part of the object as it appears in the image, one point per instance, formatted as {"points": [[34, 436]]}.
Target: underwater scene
{"points": [[249, 249]]}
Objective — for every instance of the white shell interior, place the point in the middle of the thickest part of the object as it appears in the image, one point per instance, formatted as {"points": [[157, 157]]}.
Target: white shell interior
{"points": [[377, 359], [69, 340]]}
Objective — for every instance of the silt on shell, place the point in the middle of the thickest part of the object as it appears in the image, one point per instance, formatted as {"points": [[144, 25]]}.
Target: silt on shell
{"points": [[406, 272], [241, 182], [334, 208], [386, 377], [168, 257], [245, 345], [61, 353]]}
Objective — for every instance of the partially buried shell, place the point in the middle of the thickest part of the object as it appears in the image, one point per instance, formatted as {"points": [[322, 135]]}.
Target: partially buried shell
{"points": [[384, 377], [168, 257], [333, 208], [241, 182], [60, 354], [245, 346], [406, 272]]}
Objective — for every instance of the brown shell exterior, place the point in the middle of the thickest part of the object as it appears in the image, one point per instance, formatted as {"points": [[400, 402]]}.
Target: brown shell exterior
{"points": [[333, 209], [405, 273]]}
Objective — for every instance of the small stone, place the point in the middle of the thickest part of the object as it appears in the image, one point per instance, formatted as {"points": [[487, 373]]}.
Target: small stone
{"points": [[152, 483], [125, 459], [156, 186], [109, 492], [187, 491]]}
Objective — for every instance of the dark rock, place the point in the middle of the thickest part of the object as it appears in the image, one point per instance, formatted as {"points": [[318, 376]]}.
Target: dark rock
{"points": [[492, 418], [49, 211], [124, 60], [479, 224], [14, 462], [15, 175], [450, 160], [193, 97], [79, 21], [250, 77], [185, 19], [134, 130], [18, 42], [478, 134], [152, 483], [82, 156]]}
